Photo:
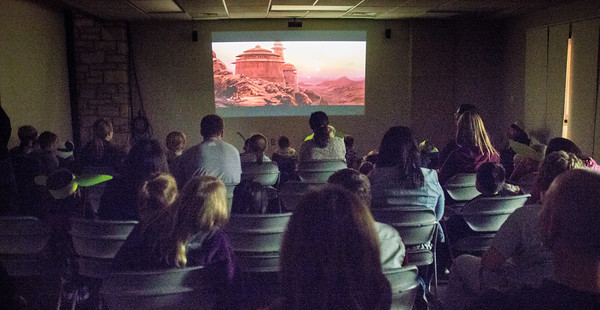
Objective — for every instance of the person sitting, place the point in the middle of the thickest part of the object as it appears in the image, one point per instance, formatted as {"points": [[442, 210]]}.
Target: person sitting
{"points": [[189, 233], [212, 156], [28, 141], [120, 198], [251, 197], [516, 257], [391, 246], [100, 151], [490, 181], [351, 157], [175, 143], [159, 192], [254, 150], [475, 148], [453, 144], [568, 224], [287, 160], [322, 146], [563, 144], [45, 156], [330, 255], [398, 168]]}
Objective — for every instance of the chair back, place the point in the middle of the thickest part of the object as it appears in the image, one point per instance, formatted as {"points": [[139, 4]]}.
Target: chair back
{"points": [[487, 214], [256, 240], [265, 173], [404, 285], [177, 288], [292, 191], [22, 240], [319, 171], [97, 242], [461, 187]]}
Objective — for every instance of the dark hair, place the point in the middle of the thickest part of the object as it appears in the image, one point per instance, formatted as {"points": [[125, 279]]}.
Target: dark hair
{"points": [[145, 158], [318, 122], [398, 149], [354, 181], [256, 144], [520, 134], [465, 107], [47, 138], [102, 129], [211, 125], [283, 142], [349, 141], [330, 255], [250, 197], [563, 144], [27, 134], [490, 178]]}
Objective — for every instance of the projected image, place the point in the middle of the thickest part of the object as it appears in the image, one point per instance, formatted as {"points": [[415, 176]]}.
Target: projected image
{"points": [[289, 73]]}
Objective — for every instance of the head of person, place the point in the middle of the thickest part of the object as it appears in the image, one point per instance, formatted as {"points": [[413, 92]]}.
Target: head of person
{"points": [[200, 207], [517, 134], [145, 159], [353, 181], [48, 141], [157, 194], [330, 254], [250, 197], [471, 133], [563, 144], [365, 167], [283, 142], [490, 178], [176, 142], [570, 217], [553, 165], [319, 123], [102, 129], [465, 107], [349, 141], [27, 135], [399, 149], [211, 126]]}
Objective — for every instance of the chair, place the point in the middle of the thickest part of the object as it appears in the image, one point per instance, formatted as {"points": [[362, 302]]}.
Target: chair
{"points": [[256, 240], [23, 239], [485, 216], [265, 173], [177, 288], [404, 285], [319, 171], [461, 187], [97, 242], [292, 191]]}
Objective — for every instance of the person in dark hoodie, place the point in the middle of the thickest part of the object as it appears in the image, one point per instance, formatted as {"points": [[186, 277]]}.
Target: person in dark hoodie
{"points": [[8, 187]]}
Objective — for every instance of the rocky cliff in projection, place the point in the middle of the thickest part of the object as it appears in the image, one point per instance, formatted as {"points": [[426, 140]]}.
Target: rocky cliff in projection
{"points": [[263, 78]]}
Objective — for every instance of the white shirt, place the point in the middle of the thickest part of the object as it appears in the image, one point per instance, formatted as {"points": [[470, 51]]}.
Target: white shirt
{"points": [[335, 149], [213, 157]]}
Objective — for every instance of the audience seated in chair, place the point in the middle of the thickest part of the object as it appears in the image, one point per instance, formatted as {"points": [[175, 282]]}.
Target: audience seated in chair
{"points": [[475, 148], [568, 225], [287, 160], [157, 194], [254, 149], [516, 257], [351, 157], [45, 156], [453, 144], [175, 143], [100, 151], [28, 136], [330, 255], [398, 168], [391, 246], [490, 181], [322, 146], [563, 144], [251, 197], [119, 200]]}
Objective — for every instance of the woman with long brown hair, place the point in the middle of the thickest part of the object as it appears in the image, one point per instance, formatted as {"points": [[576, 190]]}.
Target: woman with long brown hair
{"points": [[475, 148]]}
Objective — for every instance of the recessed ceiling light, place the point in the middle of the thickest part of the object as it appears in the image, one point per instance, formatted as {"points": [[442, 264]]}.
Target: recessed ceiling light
{"points": [[328, 8]]}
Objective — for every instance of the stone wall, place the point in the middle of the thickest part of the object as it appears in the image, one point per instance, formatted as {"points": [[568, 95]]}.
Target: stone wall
{"points": [[101, 61]]}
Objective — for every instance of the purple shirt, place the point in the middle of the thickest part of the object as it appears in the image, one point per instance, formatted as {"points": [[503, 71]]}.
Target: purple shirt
{"points": [[465, 160]]}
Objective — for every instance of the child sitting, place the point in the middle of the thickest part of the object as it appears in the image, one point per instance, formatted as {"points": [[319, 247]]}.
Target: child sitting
{"points": [[490, 181], [175, 145]]}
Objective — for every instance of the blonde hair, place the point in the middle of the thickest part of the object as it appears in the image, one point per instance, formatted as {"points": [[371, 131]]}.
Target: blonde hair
{"points": [[176, 141], [200, 207], [157, 193], [471, 132]]}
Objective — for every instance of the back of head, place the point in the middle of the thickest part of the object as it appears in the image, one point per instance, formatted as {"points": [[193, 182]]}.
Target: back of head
{"points": [[518, 134], [330, 254], [563, 144], [349, 141], [398, 149], [27, 134], [102, 129], [554, 164], [47, 139], [283, 142], [571, 214], [490, 178], [175, 141], [157, 194], [353, 181], [145, 158], [250, 197], [465, 107], [211, 126], [471, 133], [318, 122]]}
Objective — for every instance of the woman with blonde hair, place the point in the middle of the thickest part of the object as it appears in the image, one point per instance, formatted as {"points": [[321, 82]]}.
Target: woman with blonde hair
{"points": [[156, 195], [330, 255], [475, 148], [192, 236]]}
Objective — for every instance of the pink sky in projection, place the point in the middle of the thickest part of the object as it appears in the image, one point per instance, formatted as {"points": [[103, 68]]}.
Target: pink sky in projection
{"points": [[316, 61]]}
